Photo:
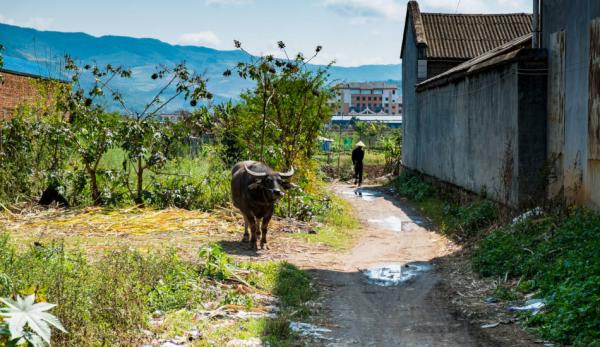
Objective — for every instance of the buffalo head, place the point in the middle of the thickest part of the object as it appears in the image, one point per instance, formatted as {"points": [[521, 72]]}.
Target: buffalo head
{"points": [[272, 184]]}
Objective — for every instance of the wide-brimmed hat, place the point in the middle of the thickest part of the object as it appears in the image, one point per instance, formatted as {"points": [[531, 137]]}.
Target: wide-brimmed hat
{"points": [[360, 144]]}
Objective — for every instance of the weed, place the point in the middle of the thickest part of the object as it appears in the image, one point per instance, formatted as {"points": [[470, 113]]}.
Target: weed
{"points": [[557, 257], [461, 221], [412, 187]]}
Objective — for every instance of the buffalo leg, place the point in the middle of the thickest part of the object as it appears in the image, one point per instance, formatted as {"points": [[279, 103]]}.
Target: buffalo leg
{"points": [[254, 229], [263, 227], [246, 234]]}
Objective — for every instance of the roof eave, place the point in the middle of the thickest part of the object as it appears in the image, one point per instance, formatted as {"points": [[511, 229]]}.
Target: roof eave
{"points": [[413, 11], [522, 54]]}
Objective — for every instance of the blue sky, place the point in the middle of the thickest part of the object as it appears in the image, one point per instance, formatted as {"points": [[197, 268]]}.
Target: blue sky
{"points": [[353, 32]]}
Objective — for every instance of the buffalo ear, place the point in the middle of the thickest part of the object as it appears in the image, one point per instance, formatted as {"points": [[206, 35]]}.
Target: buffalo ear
{"points": [[288, 185], [255, 185]]}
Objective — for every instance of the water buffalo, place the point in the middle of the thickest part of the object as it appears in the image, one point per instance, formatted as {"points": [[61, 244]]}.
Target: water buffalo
{"points": [[255, 188]]}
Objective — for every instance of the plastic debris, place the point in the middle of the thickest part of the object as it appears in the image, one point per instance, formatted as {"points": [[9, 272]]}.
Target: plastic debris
{"points": [[252, 342], [491, 325], [538, 211], [395, 274], [533, 305], [490, 300], [305, 329], [194, 334]]}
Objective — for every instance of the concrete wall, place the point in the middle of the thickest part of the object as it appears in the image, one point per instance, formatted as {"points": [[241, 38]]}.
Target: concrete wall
{"points": [[409, 81], [573, 118], [485, 132]]}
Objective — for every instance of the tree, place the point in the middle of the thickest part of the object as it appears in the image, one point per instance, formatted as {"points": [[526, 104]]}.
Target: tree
{"points": [[148, 142], [93, 130], [360, 127], [287, 109]]}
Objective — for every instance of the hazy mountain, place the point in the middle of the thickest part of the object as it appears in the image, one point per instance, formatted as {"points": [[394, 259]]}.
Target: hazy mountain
{"points": [[42, 52]]}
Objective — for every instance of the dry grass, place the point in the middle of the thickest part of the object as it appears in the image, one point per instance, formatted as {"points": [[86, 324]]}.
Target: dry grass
{"points": [[145, 229]]}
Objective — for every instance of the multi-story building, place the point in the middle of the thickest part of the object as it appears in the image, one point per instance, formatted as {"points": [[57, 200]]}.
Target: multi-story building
{"points": [[354, 99]]}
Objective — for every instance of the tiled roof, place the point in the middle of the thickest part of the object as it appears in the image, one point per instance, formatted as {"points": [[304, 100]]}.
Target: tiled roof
{"points": [[491, 57], [464, 36]]}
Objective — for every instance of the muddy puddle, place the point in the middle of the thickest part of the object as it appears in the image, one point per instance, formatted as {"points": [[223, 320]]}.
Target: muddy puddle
{"points": [[395, 274], [396, 224], [363, 194]]}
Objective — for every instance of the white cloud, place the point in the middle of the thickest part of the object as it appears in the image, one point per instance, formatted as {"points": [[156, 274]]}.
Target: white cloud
{"points": [[227, 2], [40, 23], [6, 20], [475, 6], [362, 12], [387, 9], [202, 38]]}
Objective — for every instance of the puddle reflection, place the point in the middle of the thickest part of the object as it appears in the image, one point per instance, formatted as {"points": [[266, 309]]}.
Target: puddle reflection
{"points": [[395, 274]]}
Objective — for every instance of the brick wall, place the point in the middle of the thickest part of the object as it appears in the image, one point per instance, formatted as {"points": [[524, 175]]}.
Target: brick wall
{"points": [[17, 90]]}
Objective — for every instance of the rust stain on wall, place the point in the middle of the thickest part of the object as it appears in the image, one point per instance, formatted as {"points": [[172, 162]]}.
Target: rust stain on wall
{"points": [[594, 93], [556, 113]]}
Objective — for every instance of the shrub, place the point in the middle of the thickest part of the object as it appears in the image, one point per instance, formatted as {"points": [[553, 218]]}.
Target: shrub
{"points": [[412, 187], [466, 221], [104, 302], [557, 257]]}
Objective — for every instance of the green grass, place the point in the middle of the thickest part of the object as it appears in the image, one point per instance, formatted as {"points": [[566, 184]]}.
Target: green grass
{"points": [[556, 257], [460, 221], [339, 226], [371, 158], [109, 300]]}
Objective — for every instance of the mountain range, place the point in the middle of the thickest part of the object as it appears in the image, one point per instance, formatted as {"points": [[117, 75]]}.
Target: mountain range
{"points": [[42, 53]]}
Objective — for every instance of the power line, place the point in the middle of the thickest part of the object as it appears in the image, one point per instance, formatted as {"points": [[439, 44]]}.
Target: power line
{"points": [[458, 4]]}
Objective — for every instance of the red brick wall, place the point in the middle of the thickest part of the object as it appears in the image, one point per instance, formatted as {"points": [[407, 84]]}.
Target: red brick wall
{"points": [[15, 91]]}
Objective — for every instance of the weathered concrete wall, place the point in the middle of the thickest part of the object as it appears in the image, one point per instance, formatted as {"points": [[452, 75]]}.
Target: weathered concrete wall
{"points": [[485, 132], [468, 131], [409, 99], [574, 76]]}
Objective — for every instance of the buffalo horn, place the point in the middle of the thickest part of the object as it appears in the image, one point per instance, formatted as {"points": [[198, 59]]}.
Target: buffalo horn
{"points": [[255, 174], [287, 174]]}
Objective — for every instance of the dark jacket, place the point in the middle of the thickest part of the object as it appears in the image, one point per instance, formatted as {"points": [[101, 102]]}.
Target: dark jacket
{"points": [[358, 154]]}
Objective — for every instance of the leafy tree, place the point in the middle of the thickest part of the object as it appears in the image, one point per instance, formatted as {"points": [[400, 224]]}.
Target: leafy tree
{"points": [[288, 107], [148, 142], [360, 127], [93, 130]]}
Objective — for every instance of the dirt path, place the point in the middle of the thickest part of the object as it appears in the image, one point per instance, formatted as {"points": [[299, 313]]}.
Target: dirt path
{"points": [[361, 313]]}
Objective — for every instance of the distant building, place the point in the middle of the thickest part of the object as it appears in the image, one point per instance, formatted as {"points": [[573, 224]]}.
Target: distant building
{"points": [[18, 89], [368, 98]]}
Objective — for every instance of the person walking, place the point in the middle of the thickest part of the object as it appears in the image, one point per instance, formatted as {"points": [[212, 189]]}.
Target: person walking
{"points": [[358, 154]]}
